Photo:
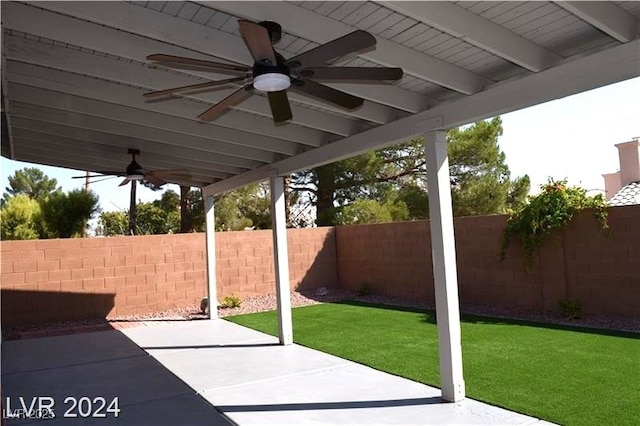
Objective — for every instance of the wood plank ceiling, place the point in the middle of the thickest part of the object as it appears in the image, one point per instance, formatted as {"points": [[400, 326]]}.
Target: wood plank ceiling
{"points": [[73, 75]]}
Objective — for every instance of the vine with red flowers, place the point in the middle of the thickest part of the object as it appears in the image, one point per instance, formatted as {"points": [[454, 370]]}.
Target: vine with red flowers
{"points": [[550, 210]]}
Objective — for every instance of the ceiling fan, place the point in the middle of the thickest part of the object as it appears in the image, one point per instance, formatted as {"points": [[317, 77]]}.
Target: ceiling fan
{"points": [[272, 74], [135, 172]]}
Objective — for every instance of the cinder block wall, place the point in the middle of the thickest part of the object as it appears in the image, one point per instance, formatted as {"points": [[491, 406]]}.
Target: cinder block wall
{"points": [[59, 280], [581, 263], [604, 271], [69, 279], [393, 258], [245, 264]]}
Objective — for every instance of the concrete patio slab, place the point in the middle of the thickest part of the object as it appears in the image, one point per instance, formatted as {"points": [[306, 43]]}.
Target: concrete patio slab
{"points": [[183, 410], [350, 394], [214, 372], [254, 381], [101, 364], [187, 335], [87, 348]]}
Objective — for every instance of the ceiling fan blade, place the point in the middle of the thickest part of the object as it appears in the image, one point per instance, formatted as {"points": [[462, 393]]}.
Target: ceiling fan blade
{"points": [[218, 66], [352, 73], [233, 99], [154, 180], [326, 93], [103, 179], [160, 93], [257, 39], [280, 107], [161, 177], [124, 182], [85, 176], [335, 49]]}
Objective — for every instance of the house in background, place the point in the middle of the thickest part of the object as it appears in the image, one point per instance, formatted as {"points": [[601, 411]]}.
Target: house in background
{"points": [[623, 187]]}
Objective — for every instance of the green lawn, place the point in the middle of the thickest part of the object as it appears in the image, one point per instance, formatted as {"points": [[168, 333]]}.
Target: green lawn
{"points": [[563, 375]]}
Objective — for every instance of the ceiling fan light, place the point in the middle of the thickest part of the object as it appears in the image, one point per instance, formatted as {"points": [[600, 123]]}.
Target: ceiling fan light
{"points": [[271, 82]]}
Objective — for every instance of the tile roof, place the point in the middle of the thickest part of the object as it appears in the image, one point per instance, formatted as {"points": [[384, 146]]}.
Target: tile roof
{"points": [[628, 195]]}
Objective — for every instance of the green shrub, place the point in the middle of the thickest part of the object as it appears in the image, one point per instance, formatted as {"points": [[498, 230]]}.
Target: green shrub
{"points": [[365, 289], [570, 309], [551, 210], [231, 302]]}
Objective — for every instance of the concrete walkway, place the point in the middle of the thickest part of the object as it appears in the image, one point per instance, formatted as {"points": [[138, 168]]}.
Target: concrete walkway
{"points": [[210, 372]]}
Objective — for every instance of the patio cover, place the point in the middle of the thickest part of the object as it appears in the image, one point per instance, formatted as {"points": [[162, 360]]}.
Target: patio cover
{"points": [[73, 75]]}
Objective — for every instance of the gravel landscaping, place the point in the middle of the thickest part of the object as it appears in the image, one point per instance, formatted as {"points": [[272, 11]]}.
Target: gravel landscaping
{"points": [[268, 302]]}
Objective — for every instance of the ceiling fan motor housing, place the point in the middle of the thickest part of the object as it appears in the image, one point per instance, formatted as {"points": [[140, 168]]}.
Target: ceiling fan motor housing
{"points": [[134, 171], [269, 77]]}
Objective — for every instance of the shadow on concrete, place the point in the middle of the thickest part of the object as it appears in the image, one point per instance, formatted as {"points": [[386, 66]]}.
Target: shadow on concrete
{"points": [[230, 346], [33, 307], [344, 405], [160, 319], [103, 364]]}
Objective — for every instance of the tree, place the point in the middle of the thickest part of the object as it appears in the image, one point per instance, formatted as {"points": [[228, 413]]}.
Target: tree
{"points": [[162, 216], [480, 178], [394, 177], [191, 206], [414, 196], [153, 219], [31, 182], [113, 223], [20, 218], [65, 215], [371, 211], [192, 211], [169, 201], [245, 207], [369, 176], [49, 213]]}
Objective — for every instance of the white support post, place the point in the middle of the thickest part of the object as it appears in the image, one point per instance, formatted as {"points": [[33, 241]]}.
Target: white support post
{"points": [[210, 229], [281, 259], [443, 250]]}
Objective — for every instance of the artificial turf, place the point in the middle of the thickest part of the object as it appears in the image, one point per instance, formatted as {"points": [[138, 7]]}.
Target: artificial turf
{"points": [[565, 375]]}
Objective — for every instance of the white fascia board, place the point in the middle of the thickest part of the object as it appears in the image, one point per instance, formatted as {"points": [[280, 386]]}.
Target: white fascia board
{"points": [[257, 175]]}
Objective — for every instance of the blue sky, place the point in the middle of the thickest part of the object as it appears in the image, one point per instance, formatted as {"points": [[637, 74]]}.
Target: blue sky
{"points": [[570, 138], [573, 137]]}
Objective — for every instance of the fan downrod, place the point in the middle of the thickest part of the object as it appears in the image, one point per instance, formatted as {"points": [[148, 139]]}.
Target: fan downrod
{"points": [[274, 29]]}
